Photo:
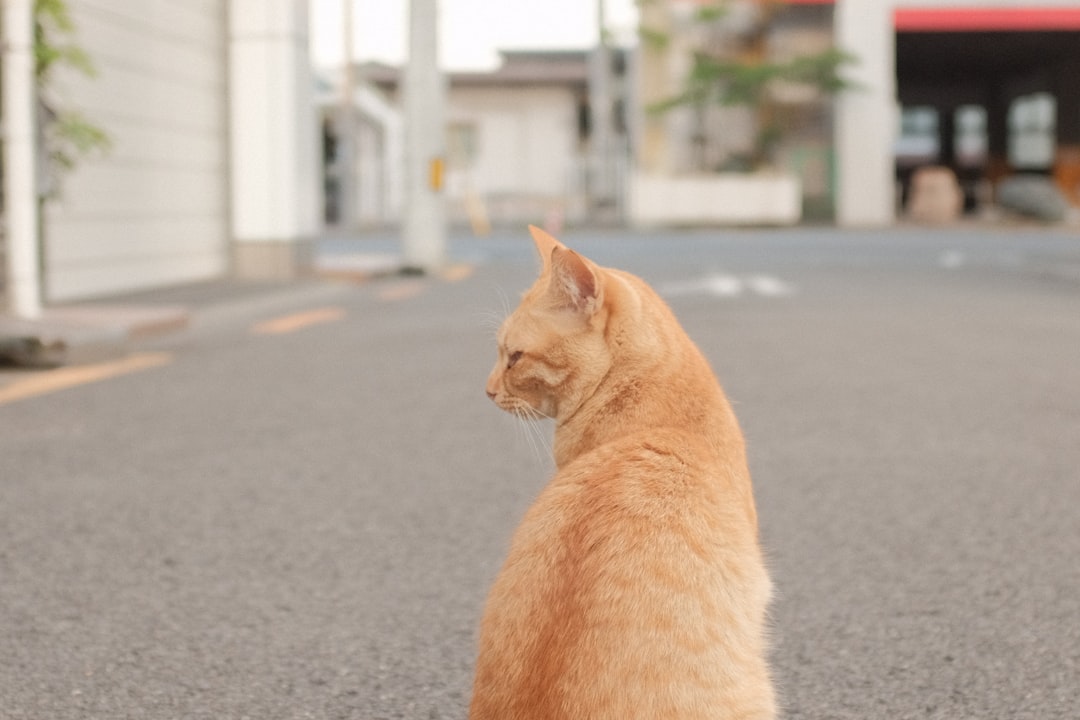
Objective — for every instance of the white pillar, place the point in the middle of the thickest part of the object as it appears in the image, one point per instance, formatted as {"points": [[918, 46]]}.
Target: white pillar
{"points": [[866, 116], [348, 197], [20, 158], [275, 176], [425, 128]]}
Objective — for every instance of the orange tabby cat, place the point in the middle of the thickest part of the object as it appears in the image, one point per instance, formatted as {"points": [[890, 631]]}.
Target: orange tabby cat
{"points": [[634, 586]]}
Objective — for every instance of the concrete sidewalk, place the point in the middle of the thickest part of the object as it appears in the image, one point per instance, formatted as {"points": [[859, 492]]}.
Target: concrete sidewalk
{"points": [[83, 333], [102, 329]]}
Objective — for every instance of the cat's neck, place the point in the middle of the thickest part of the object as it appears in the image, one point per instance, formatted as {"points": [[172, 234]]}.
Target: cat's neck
{"points": [[659, 379]]}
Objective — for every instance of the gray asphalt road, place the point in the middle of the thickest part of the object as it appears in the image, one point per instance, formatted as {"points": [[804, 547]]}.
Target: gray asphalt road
{"points": [[301, 520]]}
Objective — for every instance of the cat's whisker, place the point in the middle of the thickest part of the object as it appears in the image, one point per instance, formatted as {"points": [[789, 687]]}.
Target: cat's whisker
{"points": [[530, 435], [531, 438], [521, 432], [537, 438], [505, 301], [491, 320], [488, 315]]}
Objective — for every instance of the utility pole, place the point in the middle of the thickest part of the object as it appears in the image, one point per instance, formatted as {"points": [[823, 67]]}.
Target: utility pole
{"points": [[424, 245], [600, 141], [345, 145], [20, 158]]}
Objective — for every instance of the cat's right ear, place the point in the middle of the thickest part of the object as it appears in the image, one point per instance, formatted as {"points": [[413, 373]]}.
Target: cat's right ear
{"points": [[545, 245], [574, 282]]}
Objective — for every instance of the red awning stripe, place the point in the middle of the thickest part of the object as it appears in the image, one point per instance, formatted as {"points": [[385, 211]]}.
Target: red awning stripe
{"points": [[972, 19]]}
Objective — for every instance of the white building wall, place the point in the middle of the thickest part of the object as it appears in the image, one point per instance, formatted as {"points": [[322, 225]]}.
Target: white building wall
{"points": [[526, 139], [153, 211]]}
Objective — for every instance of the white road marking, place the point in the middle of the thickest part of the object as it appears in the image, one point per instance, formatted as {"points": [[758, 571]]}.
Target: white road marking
{"points": [[724, 285], [952, 259], [769, 286]]}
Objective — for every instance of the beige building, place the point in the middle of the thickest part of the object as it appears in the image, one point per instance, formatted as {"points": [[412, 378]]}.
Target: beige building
{"points": [[983, 88]]}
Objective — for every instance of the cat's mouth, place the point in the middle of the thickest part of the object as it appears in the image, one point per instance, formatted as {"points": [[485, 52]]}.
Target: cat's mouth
{"points": [[517, 407]]}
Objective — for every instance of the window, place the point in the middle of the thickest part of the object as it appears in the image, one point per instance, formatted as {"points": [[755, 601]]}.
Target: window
{"points": [[918, 141], [969, 135], [1032, 131]]}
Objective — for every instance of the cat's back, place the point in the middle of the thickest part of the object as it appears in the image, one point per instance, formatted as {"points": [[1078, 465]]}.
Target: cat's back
{"points": [[634, 588]]}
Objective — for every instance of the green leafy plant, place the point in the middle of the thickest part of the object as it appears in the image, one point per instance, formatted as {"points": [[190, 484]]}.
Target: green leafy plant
{"points": [[67, 134], [746, 76]]}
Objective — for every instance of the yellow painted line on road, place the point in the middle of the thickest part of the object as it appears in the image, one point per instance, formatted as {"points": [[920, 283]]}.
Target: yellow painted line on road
{"points": [[402, 291], [50, 381], [405, 289], [456, 273], [298, 321]]}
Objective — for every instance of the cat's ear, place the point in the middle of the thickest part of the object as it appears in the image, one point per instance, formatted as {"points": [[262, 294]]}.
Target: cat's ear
{"points": [[575, 284], [545, 245]]}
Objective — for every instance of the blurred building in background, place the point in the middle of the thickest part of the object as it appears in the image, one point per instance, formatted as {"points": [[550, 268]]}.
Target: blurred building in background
{"points": [[518, 142], [988, 90], [216, 166], [976, 90], [983, 89]]}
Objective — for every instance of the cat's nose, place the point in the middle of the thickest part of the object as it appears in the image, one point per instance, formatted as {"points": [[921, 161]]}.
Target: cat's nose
{"points": [[490, 394]]}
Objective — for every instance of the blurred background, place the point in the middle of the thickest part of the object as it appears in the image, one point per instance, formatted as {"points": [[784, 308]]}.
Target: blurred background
{"points": [[247, 467], [157, 143]]}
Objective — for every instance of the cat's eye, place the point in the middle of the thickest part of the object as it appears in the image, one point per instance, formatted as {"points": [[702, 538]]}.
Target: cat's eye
{"points": [[513, 359]]}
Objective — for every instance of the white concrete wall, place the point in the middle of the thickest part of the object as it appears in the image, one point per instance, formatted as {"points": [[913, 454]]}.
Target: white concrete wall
{"points": [[154, 210]]}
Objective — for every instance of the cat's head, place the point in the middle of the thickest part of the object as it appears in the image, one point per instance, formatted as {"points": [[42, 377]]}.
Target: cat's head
{"points": [[552, 351]]}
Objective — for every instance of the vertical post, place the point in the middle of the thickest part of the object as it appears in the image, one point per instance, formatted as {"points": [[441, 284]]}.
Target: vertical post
{"points": [[866, 117], [654, 83], [20, 158], [600, 110], [345, 162], [273, 139], [424, 223]]}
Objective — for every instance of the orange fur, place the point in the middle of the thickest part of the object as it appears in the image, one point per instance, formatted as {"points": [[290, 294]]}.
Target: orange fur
{"points": [[635, 585]]}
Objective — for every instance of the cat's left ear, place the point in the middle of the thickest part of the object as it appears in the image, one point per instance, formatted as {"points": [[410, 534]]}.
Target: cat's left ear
{"points": [[545, 245], [575, 283]]}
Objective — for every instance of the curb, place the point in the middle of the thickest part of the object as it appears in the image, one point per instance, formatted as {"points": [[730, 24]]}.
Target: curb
{"points": [[83, 333], [358, 267], [94, 332]]}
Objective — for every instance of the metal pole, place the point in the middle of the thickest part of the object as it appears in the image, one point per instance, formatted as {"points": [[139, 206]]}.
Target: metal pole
{"points": [[424, 241], [346, 127], [20, 158], [600, 104]]}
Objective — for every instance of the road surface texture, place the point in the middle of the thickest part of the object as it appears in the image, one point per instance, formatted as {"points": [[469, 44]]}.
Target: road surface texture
{"points": [[294, 509]]}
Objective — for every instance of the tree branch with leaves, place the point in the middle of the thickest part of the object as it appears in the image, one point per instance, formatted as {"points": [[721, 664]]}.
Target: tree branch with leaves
{"points": [[743, 74], [66, 134]]}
